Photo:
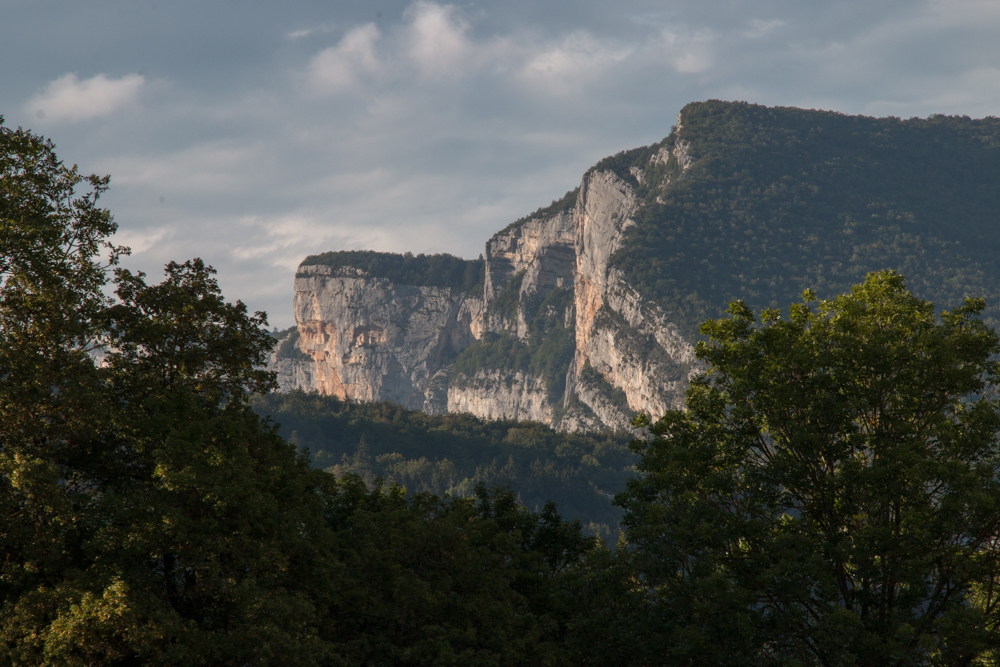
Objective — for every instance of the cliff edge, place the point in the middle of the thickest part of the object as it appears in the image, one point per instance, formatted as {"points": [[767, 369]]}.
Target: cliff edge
{"points": [[583, 313], [544, 330]]}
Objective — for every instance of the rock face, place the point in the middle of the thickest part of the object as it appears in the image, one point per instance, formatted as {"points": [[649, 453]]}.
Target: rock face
{"points": [[578, 314], [543, 247], [498, 394], [553, 333], [372, 340], [630, 345]]}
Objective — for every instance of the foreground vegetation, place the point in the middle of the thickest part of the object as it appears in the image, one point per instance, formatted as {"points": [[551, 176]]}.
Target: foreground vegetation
{"points": [[830, 496], [149, 516]]}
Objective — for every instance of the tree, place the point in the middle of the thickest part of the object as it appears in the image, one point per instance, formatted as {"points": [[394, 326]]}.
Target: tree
{"points": [[53, 256], [149, 517], [831, 495], [460, 581]]}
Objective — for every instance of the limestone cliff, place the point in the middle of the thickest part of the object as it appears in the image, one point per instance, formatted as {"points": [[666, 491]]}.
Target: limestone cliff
{"points": [[553, 333], [370, 339], [581, 314]]}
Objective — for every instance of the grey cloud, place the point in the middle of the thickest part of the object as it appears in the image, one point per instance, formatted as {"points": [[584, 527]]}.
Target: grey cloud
{"points": [[277, 131]]}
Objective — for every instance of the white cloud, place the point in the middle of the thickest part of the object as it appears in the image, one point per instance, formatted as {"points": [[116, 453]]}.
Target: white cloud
{"points": [[70, 99], [577, 57], [968, 13], [758, 28], [438, 41], [139, 241], [337, 68], [305, 32], [687, 52]]}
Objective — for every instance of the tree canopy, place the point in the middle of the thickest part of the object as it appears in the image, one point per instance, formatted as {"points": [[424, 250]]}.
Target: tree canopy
{"points": [[443, 270], [149, 516], [454, 453], [831, 495]]}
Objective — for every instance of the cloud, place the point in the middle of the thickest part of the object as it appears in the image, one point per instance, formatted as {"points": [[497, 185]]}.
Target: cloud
{"points": [[338, 67], [438, 42], [70, 99], [687, 52], [139, 241], [576, 58], [971, 13], [758, 28], [209, 168], [305, 32]]}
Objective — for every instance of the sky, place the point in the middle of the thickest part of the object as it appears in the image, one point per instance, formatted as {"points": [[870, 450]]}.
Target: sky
{"points": [[252, 134]]}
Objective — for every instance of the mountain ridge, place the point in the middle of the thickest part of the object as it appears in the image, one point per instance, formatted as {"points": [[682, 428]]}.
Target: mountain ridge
{"points": [[584, 312]]}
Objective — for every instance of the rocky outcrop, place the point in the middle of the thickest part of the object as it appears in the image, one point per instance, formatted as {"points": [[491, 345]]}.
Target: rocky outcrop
{"points": [[294, 373], [371, 339], [502, 395], [628, 343], [543, 248]]}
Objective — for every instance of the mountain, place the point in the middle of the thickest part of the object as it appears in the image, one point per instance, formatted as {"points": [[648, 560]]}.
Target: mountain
{"points": [[585, 312]]}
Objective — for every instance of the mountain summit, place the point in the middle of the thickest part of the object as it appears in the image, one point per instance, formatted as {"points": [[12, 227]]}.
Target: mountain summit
{"points": [[585, 312]]}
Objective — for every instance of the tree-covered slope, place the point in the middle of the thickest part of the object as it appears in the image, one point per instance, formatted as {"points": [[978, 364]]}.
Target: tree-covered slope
{"points": [[441, 270], [777, 200], [453, 453]]}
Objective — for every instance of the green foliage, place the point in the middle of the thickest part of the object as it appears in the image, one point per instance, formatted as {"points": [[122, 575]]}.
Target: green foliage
{"points": [[475, 581], [149, 517], [831, 494], [454, 453], [494, 351], [621, 162], [443, 270], [551, 342], [779, 200], [505, 302]]}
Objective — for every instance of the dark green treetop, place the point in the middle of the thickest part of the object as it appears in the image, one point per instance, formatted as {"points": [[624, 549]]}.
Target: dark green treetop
{"points": [[149, 517], [832, 493]]}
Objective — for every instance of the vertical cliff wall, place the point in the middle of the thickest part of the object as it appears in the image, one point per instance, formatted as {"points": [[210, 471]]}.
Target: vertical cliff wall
{"points": [[629, 358], [577, 314], [554, 333], [374, 340]]}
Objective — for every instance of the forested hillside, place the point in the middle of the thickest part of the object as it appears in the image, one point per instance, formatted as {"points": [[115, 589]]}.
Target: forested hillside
{"points": [[440, 270], [454, 454], [765, 202]]}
